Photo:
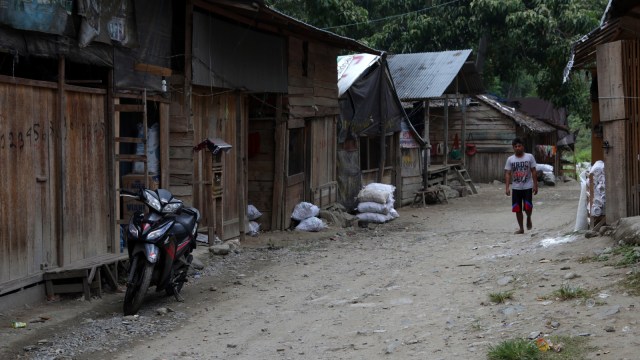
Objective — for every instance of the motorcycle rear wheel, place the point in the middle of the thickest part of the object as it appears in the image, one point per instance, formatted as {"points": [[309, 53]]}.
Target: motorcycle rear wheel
{"points": [[136, 291]]}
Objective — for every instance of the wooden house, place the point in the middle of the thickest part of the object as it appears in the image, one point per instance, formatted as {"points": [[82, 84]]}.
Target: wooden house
{"points": [[76, 86], [372, 119], [611, 55], [423, 80], [490, 127]]}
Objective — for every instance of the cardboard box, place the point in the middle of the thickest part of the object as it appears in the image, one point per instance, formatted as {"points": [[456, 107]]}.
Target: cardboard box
{"points": [[134, 182]]}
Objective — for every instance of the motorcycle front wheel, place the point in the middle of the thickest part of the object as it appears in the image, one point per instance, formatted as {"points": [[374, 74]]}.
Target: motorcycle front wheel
{"points": [[138, 287]]}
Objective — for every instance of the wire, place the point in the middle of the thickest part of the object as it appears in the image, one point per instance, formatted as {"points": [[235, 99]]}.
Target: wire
{"points": [[392, 16]]}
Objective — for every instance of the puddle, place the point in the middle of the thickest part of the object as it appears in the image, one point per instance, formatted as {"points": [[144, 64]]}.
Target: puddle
{"points": [[557, 241]]}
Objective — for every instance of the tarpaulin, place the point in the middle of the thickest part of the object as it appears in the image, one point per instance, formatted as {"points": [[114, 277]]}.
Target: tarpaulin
{"points": [[369, 104], [48, 16]]}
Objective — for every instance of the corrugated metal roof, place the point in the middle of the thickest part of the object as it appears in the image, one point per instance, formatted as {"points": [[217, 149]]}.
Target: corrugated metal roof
{"points": [[426, 75], [533, 124]]}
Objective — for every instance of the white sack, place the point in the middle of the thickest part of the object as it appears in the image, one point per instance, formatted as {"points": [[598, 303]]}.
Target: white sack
{"points": [[378, 196], [374, 207], [311, 224], [253, 213], [374, 217], [304, 210]]}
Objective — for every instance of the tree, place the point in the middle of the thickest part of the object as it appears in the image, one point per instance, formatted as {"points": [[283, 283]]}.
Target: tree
{"points": [[521, 46]]}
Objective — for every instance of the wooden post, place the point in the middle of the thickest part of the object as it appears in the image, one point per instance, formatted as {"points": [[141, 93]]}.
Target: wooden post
{"points": [[277, 218], [63, 247], [240, 167], [445, 148], [427, 151]]}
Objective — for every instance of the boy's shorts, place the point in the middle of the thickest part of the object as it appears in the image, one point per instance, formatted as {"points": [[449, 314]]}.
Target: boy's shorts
{"points": [[520, 198]]}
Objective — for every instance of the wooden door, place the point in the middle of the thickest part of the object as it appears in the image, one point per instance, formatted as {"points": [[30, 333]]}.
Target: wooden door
{"points": [[86, 200], [27, 214]]}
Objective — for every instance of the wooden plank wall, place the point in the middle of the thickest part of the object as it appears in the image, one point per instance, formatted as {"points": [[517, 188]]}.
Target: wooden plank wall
{"points": [[181, 157], [626, 137], [86, 221], [323, 185], [486, 167], [28, 133], [261, 169], [411, 169]]}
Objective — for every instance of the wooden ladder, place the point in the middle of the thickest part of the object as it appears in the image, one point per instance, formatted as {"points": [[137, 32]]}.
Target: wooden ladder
{"points": [[464, 177], [119, 108]]}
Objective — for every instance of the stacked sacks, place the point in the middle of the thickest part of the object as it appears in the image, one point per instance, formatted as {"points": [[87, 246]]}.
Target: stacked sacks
{"points": [[375, 203], [306, 213], [253, 214]]}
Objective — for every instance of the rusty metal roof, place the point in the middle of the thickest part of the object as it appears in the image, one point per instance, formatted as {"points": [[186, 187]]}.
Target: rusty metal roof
{"points": [[427, 75], [533, 124]]}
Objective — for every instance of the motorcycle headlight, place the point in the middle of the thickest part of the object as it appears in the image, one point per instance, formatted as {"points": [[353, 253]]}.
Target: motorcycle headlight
{"points": [[172, 207], [152, 200], [159, 232]]}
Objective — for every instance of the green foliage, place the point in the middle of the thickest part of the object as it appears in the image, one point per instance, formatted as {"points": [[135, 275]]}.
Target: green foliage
{"points": [[567, 292], [514, 349], [629, 254], [522, 46], [501, 297]]}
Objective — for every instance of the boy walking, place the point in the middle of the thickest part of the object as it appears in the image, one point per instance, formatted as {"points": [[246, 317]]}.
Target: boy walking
{"points": [[521, 177]]}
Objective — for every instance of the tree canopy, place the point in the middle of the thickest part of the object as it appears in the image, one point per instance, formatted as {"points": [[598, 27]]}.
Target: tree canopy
{"points": [[521, 46]]}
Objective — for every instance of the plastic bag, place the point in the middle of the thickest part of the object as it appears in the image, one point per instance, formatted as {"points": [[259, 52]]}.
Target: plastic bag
{"points": [[253, 213], [378, 196], [254, 228], [374, 207], [582, 216], [381, 187], [311, 224], [153, 150], [374, 217], [304, 210]]}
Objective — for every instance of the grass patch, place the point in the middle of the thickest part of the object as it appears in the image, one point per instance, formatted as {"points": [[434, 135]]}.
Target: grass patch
{"points": [[567, 292], [631, 284], [572, 348], [514, 349], [629, 254], [501, 297], [587, 259]]}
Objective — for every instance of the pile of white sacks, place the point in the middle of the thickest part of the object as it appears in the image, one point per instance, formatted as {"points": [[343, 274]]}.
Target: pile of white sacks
{"points": [[375, 203], [307, 214]]}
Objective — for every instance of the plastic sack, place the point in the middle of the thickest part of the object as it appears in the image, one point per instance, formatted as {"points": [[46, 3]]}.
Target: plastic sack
{"points": [[381, 187], [374, 207], [311, 224], [153, 150], [374, 217], [394, 214], [378, 196], [254, 228], [304, 210], [544, 168], [582, 217], [253, 213]]}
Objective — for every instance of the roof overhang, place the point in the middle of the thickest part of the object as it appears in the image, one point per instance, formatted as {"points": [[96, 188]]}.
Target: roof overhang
{"points": [[259, 16]]}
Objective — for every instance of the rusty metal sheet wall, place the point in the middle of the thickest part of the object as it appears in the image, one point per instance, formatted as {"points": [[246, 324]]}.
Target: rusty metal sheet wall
{"points": [[27, 140], [85, 177]]}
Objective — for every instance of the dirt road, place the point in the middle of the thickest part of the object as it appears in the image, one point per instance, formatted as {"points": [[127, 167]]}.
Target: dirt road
{"points": [[417, 287]]}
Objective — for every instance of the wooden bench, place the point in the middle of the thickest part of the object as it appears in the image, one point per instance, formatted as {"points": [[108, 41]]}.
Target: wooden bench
{"points": [[84, 276], [436, 192]]}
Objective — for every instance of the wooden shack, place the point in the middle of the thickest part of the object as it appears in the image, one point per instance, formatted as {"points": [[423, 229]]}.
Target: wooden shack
{"points": [[372, 119], [490, 127], [73, 119], [611, 55]]}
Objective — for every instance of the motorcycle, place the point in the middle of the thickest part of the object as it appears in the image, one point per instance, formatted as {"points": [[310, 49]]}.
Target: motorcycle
{"points": [[159, 244]]}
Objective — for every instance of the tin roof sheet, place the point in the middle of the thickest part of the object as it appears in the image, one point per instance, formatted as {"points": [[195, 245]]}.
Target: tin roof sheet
{"points": [[427, 75]]}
